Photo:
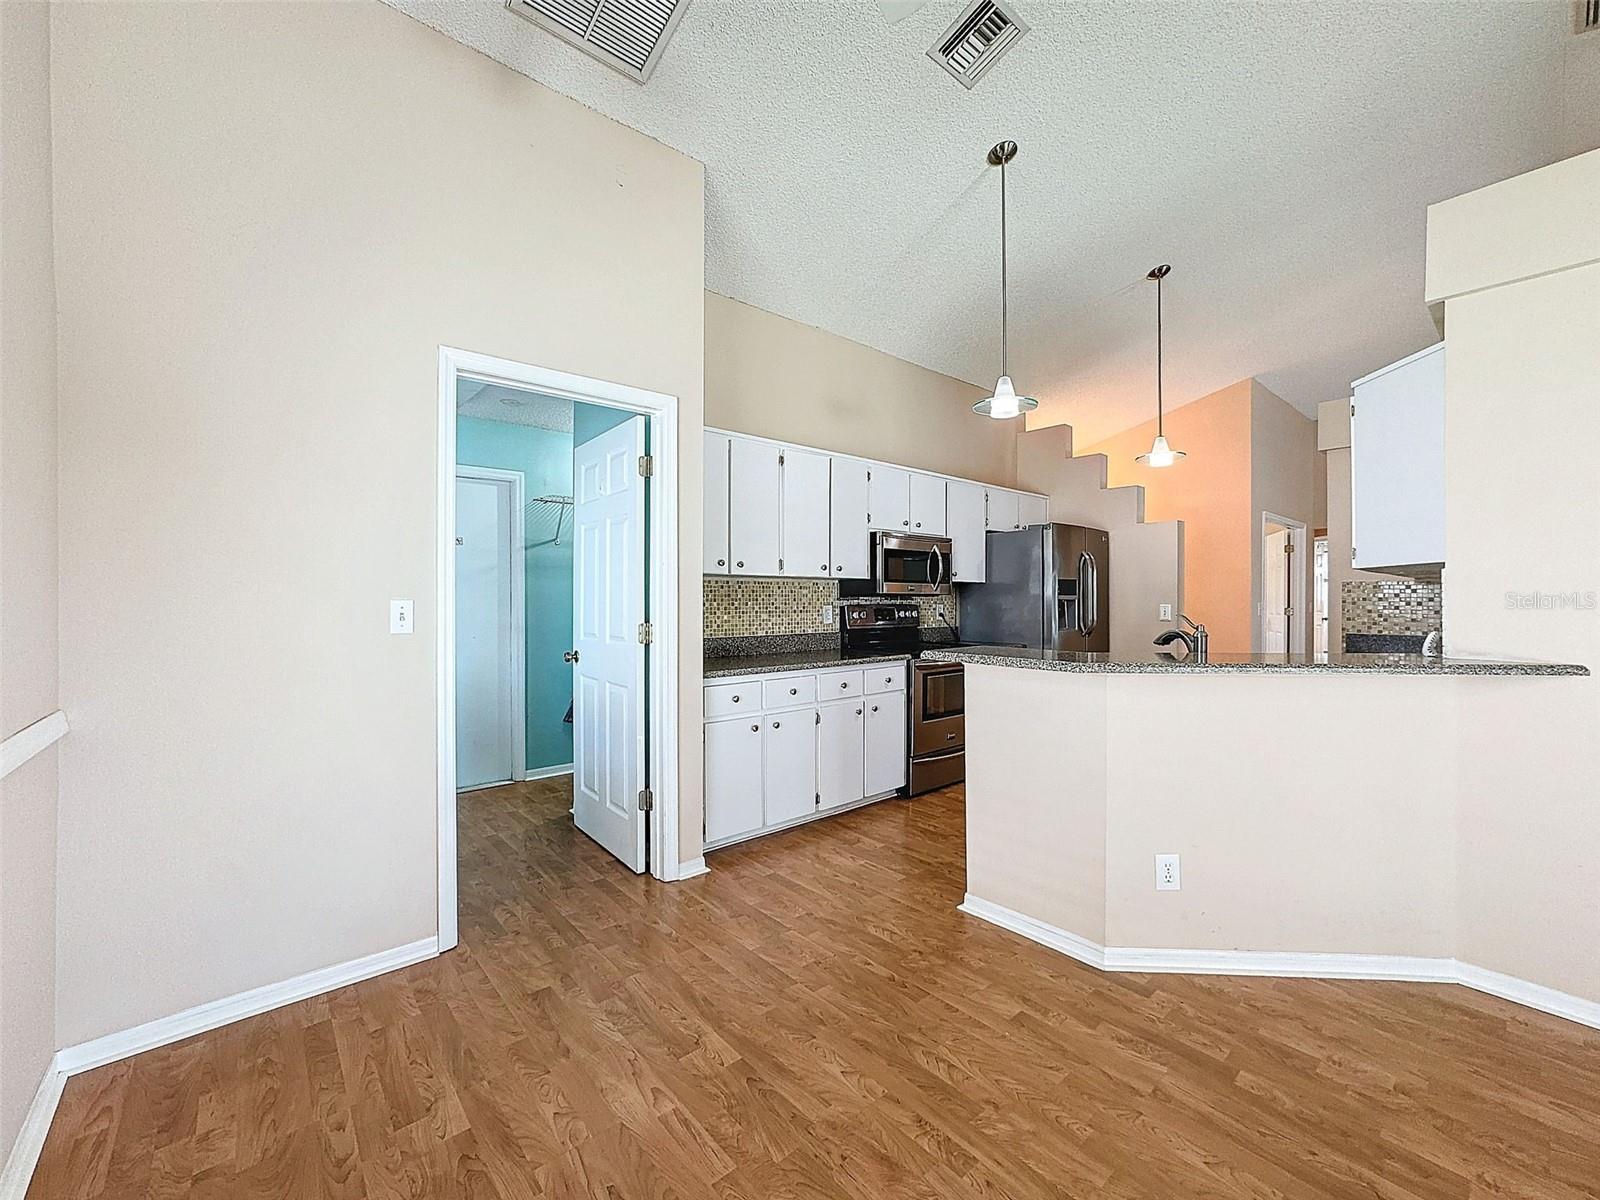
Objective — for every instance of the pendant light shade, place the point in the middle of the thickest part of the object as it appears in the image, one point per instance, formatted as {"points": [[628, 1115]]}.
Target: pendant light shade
{"points": [[1004, 403], [1161, 453]]}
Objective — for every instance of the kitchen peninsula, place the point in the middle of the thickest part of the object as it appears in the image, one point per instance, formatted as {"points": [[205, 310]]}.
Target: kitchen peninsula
{"points": [[1313, 804]]}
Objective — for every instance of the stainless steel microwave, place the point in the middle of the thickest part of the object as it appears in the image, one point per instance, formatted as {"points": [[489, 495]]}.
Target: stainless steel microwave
{"points": [[906, 564]]}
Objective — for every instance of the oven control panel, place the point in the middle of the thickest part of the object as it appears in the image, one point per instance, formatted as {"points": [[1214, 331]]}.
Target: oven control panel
{"points": [[881, 616]]}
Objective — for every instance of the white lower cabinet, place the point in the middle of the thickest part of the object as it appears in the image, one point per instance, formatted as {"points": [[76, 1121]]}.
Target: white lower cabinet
{"points": [[789, 764], [733, 777], [804, 743], [841, 753], [886, 742]]}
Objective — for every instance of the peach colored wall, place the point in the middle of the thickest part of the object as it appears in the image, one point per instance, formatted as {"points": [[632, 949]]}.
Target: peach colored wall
{"points": [[1210, 493]]}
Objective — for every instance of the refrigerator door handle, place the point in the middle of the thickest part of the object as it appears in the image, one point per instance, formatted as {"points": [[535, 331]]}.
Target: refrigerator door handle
{"points": [[1088, 594]]}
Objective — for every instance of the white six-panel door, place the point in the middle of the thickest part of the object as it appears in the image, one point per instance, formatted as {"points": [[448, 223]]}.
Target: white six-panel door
{"points": [[608, 607], [484, 685]]}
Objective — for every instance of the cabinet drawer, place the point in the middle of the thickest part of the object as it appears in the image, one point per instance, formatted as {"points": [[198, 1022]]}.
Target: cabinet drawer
{"points": [[885, 677], [733, 699], [835, 684], [785, 693]]}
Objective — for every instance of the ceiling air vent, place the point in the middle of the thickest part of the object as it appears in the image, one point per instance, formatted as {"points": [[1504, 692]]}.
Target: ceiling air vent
{"points": [[980, 35], [627, 35], [1586, 16]]}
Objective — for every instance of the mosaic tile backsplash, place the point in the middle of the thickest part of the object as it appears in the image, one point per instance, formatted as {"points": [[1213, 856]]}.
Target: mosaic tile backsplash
{"points": [[1393, 606], [763, 607]]}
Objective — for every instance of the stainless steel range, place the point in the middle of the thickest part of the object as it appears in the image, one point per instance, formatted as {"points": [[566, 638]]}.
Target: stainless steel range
{"points": [[937, 715]]}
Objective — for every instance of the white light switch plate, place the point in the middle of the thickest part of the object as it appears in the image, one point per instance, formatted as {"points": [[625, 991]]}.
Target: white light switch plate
{"points": [[400, 616], [1166, 612]]}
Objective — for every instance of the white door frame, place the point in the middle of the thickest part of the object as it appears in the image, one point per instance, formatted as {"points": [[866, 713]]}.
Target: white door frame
{"points": [[1297, 580], [661, 554], [517, 550]]}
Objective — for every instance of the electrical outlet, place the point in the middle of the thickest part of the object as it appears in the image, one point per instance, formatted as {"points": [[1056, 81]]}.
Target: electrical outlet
{"points": [[827, 614], [1167, 878], [940, 609], [1166, 612]]}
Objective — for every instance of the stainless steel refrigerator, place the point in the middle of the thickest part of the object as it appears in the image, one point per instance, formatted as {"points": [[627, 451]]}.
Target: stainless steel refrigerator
{"points": [[1048, 587]]}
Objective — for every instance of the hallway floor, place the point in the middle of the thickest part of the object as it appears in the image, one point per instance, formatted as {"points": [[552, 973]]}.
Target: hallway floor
{"points": [[815, 1019]]}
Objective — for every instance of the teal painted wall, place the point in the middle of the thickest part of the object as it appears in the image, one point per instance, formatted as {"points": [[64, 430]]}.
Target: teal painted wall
{"points": [[589, 421], [545, 459]]}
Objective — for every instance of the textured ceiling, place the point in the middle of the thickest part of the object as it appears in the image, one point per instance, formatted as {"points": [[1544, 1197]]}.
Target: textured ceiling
{"points": [[1279, 156], [492, 402]]}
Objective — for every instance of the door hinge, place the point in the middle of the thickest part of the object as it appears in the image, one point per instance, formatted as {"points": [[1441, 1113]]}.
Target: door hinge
{"points": [[647, 633], [1288, 547], [1352, 556], [780, 458], [1352, 408], [818, 720], [780, 564], [647, 465], [647, 800]]}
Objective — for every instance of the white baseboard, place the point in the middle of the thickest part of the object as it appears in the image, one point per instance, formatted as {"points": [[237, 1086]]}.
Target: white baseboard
{"points": [[1311, 965], [114, 1046], [547, 772], [692, 868], [24, 1156]]}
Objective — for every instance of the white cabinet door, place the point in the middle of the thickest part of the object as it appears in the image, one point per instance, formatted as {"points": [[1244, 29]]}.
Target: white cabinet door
{"points": [[886, 742], [1004, 509], [754, 518], [1032, 510], [927, 505], [969, 558], [789, 764], [1397, 464], [805, 514], [849, 542], [889, 499], [716, 504], [733, 778], [841, 753]]}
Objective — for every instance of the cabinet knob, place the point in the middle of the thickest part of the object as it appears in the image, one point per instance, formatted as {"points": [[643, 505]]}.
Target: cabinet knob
{"points": [[736, 699], [755, 729], [794, 691], [777, 724], [919, 524], [824, 566], [858, 712], [722, 562], [905, 522], [740, 563], [840, 568], [874, 708], [845, 684]]}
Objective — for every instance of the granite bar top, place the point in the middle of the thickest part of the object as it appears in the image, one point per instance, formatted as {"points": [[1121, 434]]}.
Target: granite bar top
{"points": [[1157, 662], [771, 664]]}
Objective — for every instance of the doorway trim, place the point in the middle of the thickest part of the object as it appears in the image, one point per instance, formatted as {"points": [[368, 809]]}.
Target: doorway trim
{"points": [[518, 553], [1297, 580], [661, 554]]}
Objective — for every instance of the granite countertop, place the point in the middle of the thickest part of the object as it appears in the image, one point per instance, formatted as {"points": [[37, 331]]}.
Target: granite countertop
{"points": [[1156, 662], [805, 660]]}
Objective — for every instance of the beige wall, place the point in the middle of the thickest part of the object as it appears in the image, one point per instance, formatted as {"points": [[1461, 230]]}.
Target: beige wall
{"points": [[1283, 478], [1210, 493], [269, 218], [1523, 515], [772, 377], [28, 642]]}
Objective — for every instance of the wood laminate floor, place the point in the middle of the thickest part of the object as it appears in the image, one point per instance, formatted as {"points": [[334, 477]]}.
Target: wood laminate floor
{"points": [[814, 1019]]}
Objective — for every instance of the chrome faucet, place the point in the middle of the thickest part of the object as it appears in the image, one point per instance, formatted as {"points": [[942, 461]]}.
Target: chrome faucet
{"points": [[1197, 643]]}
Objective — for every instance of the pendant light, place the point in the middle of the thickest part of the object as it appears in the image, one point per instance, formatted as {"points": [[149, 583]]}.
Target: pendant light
{"points": [[1005, 403], [1160, 453]]}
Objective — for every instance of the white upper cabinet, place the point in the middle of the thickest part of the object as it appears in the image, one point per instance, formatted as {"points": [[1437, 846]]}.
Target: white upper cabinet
{"points": [[1032, 510], [927, 505], [716, 504], [805, 514], [755, 509], [1397, 464], [969, 560], [889, 499], [850, 543], [1005, 510]]}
